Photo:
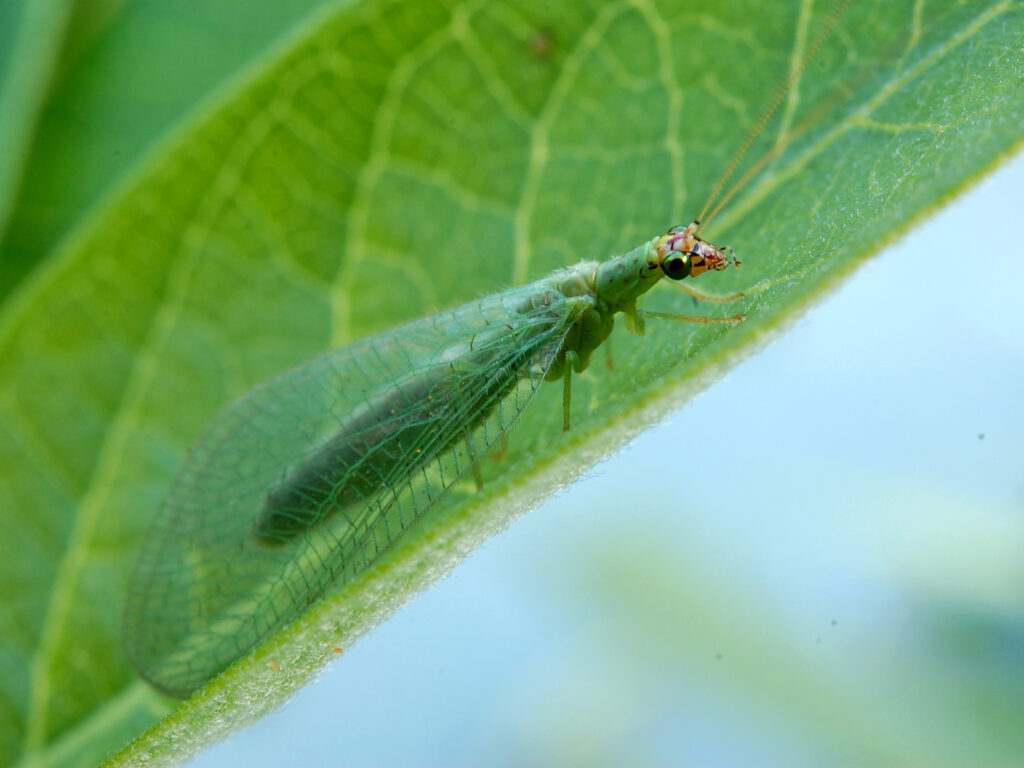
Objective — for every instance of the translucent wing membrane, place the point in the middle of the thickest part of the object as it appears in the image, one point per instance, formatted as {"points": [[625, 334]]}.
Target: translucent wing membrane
{"points": [[298, 487]]}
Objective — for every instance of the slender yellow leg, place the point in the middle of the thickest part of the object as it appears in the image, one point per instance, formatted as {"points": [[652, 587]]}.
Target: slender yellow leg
{"points": [[478, 476], [572, 360], [695, 318], [634, 319], [701, 296], [566, 395], [500, 449]]}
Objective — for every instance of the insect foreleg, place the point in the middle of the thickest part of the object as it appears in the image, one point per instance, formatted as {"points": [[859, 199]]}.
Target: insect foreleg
{"points": [[572, 360], [478, 475], [701, 296], [693, 318], [634, 319]]}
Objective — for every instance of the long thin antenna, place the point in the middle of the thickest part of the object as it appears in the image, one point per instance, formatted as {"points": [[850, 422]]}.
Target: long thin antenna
{"points": [[780, 94], [802, 127]]}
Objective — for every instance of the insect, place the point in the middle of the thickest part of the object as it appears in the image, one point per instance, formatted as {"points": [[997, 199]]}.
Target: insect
{"points": [[302, 484]]}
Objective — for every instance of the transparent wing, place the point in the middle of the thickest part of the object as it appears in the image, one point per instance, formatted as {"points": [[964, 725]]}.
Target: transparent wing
{"points": [[303, 483]]}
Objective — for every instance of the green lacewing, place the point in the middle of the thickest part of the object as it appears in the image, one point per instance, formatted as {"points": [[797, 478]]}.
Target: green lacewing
{"points": [[302, 484]]}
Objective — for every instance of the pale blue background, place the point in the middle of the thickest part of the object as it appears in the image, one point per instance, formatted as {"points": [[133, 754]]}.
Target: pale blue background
{"points": [[819, 561]]}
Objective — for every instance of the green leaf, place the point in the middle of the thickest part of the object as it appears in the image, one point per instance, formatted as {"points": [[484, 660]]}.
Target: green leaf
{"points": [[126, 73], [393, 159]]}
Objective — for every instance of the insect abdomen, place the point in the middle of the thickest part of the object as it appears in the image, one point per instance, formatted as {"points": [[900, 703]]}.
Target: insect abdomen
{"points": [[395, 436]]}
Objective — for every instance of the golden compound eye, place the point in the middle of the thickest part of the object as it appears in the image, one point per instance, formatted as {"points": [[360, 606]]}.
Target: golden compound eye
{"points": [[677, 266]]}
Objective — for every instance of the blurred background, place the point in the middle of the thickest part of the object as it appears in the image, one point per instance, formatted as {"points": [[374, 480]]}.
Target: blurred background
{"points": [[854, 596]]}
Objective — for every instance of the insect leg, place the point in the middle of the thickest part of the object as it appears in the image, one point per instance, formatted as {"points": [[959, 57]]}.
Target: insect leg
{"points": [[692, 318], [500, 449], [571, 361], [478, 476], [634, 319], [701, 296]]}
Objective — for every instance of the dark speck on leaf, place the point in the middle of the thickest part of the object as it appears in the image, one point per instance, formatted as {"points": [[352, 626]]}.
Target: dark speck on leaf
{"points": [[542, 44]]}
